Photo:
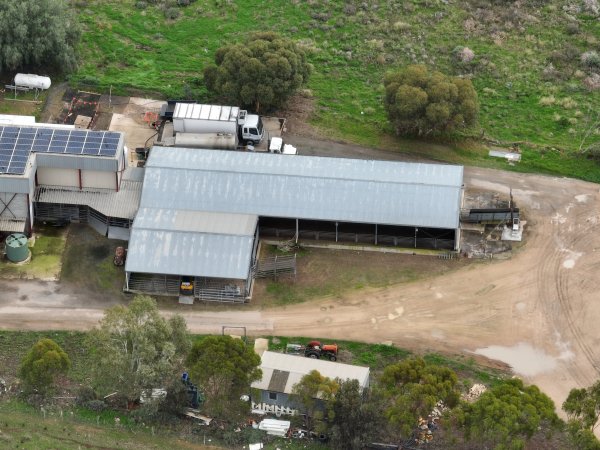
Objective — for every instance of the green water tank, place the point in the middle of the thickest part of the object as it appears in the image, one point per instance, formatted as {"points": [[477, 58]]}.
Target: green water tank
{"points": [[16, 247]]}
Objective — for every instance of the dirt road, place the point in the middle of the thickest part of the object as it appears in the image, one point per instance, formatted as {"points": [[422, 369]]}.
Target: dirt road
{"points": [[537, 312]]}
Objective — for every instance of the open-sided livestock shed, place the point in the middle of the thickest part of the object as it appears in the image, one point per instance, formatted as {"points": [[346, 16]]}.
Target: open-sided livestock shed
{"points": [[291, 197]]}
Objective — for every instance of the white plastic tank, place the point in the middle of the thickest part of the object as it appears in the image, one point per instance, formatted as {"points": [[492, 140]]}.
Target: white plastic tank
{"points": [[32, 81]]}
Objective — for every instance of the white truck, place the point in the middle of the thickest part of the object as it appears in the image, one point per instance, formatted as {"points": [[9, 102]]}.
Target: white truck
{"points": [[200, 119]]}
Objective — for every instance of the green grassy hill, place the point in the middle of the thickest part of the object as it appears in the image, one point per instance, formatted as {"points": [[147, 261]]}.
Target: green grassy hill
{"points": [[529, 65]]}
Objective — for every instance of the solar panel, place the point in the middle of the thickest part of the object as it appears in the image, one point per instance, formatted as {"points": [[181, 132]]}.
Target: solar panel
{"points": [[16, 144]]}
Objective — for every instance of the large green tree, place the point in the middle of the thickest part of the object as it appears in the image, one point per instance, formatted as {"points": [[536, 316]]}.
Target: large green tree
{"points": [[412, 388], [260, 73], [356, 417], [507, 415], [223, 368], [314, 392], [135, 348], [37, 35], [43, 362], [421, 102], [583, 406]]}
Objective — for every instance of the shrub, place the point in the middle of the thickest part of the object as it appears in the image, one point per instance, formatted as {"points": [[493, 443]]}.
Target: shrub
{"points": [[592, 82], [141, 5], [463, 54], [592, 7], [591, 59], [567, 103], [44, 361], [84, 395], [95, 405], [547, 101], [572, 28], [172, 13], [419, 102]]}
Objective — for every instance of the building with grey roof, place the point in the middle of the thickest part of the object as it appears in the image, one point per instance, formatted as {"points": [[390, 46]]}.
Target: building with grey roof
{"points": [[280, 372], [55, 172], [202, 211]]}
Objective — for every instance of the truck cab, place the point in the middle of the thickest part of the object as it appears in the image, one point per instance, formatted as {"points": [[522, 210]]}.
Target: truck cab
{"points": [[251, 128]]}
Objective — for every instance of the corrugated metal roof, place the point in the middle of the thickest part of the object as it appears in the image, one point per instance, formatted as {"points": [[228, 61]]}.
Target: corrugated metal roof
{"points": [[205, 112], [122, 204], [12, 226], [134, 174], [298, 366], [335, 189], [306, 166], [189, 253], [197, 221]]}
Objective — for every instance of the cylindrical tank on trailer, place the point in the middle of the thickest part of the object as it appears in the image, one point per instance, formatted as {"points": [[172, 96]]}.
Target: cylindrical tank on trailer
{"points": [[215, 141], [16, 247], [32, 81]]}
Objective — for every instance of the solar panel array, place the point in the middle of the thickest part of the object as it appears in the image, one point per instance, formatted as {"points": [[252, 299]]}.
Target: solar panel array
{"points": [[16, 144]]}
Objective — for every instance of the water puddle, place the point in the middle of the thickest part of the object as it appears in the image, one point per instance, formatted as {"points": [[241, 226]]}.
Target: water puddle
{"points": [[524, 359]]}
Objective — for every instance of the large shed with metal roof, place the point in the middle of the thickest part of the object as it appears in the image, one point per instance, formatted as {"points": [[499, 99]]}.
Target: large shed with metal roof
{"points": [[286, 197]]}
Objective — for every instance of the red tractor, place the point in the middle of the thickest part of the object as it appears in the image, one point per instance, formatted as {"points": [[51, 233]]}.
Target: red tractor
{"points": [[316, 350]]}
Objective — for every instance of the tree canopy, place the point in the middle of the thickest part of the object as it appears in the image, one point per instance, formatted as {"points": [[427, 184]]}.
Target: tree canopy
{"points": [[135, 348], [223, 368], [314, 393], [356, 418], [413, 388], [37, 34], [583, 406], [507, 415], [43, 362], [261, 73], [419, 102]]}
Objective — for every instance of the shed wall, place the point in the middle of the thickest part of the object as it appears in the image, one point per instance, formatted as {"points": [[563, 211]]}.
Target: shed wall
{"points": [[97, 179], [13, 206], [283, 400], [15, 184], [58, 177]]}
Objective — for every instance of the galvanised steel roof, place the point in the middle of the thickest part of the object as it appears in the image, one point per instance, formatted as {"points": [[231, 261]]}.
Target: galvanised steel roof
{"points": [[305, 187], [195, 243], [297, 367], [189, 253], [196, 221]]}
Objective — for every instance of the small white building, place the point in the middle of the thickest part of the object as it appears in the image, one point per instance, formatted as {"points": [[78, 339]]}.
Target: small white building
{"points": [[280, 372]]}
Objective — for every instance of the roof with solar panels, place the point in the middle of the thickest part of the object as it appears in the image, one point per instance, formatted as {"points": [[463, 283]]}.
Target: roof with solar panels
{"points": [[18, 143]]}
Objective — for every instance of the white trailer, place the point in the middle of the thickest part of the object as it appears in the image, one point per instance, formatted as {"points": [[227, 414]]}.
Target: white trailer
{"points": [[201, 119]]}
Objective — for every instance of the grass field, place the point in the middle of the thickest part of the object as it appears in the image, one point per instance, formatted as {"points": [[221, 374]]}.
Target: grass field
{"points": [[24, 427], [528, 75]]}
